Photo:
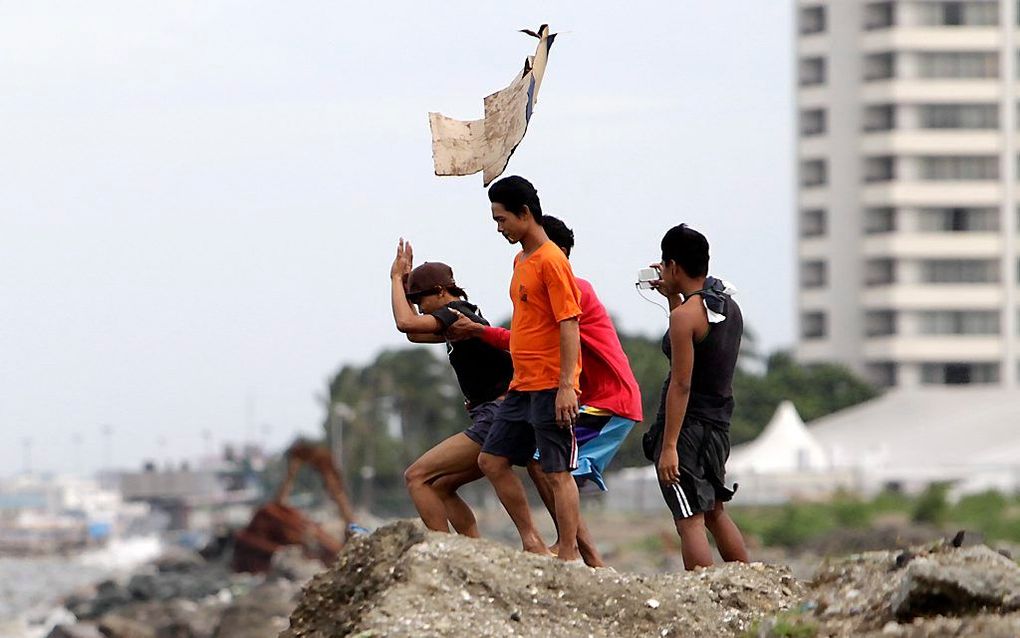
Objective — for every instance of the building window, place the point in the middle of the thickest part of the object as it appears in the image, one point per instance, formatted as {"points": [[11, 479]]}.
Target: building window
{"points": [[879, 169], [813, 325], [953, 220], [960, 322], [879, 15], [880, 323], [959, 271], [960, 168], [980, 13], [813, 274], [812, 71], [958, 65], [967, 116], [879, 272], [814, 173], [813, 222], [879, 117], [882, 374], [812, 20], [812, 122], [879, 220], [959, 373], [879, 66]]}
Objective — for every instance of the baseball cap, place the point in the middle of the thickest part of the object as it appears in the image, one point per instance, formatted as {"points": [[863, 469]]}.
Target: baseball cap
{"points": [[429, 276]]}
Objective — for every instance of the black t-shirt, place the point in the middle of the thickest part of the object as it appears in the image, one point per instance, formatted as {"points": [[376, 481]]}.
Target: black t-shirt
{"points": [[484, 372]]}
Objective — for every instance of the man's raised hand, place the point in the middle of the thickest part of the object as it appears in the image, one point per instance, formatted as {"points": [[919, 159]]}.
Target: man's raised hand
{"points": [[402, 262]]}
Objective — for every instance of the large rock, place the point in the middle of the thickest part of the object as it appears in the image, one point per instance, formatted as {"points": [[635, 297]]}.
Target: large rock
{"points": [[80, 630], [290, 563], [958, 583], [164, 619], [262, 613], [178, 559], [114, 626], [934, 590], [402, 581]]}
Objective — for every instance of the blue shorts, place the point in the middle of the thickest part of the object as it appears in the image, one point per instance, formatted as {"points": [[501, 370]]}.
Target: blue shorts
{"points": [[599, 439]]}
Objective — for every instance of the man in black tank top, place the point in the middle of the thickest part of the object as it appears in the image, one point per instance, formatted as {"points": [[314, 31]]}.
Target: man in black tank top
{"points": [[689, 441]]}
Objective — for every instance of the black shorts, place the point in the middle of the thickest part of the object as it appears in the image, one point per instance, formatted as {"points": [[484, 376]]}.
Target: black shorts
{"points": [[526, 421], [703, 449], [482, 416]]}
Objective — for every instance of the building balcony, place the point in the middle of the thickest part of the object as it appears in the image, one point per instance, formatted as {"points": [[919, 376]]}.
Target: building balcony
{"points": [[972, 245], [813, 95], [814, 44], [932, 142], [934, 348], [816, 247], [814, 351], [933, 296], [814, 146], [813, 197], [931, 91], [933, 193], [924, 38]]}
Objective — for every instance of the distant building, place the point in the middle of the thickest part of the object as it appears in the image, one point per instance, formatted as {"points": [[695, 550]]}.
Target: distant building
{"points": [[907, 189]]}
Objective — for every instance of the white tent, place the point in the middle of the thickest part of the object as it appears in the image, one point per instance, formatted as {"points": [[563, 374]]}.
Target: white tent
{"points": [[910, 437], [784, 446]]}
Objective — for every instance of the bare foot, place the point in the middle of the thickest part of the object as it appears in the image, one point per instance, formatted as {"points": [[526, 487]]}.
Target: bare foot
{"points": [[535, 545], [539, 549], [569, 554]]}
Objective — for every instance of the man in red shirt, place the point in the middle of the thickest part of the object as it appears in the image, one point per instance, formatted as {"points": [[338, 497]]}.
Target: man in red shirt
{"points": [[610, 397]]}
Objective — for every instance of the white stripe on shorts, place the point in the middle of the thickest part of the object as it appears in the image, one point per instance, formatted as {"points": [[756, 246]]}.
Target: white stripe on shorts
{"points": [[681, 498]]}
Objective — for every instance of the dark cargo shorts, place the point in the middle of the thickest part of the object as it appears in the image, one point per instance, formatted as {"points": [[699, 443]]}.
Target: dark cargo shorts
{"points": [[527, 421]]}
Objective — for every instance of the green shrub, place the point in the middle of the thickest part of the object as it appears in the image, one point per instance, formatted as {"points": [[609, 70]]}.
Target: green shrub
{"points": [[850, 511], [981, 509], [799, 523], [931, 505], [785, 625]]}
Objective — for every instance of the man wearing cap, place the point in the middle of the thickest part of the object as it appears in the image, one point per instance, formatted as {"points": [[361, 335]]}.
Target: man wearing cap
{"points": [[483, 372]]}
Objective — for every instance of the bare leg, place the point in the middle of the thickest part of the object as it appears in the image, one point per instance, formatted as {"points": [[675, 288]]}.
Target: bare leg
{"points": [[457, 511], [694, 545], [454, 455], [568, 513], [727, 535], [511, 494], [545, 491], [586, 545], [585, 542]]}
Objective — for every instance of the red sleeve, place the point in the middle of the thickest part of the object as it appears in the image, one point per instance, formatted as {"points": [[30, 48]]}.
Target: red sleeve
{"points": [[496, 337]]}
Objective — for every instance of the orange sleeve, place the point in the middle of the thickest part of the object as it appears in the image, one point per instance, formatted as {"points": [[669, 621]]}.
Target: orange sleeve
{"points": [[564, 295]]}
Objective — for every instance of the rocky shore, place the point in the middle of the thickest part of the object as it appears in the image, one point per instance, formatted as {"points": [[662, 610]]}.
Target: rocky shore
{"points": [[185, 595], [402, 581]]}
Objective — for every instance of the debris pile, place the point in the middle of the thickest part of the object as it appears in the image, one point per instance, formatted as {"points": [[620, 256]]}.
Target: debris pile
{"points": [[403, 581]]}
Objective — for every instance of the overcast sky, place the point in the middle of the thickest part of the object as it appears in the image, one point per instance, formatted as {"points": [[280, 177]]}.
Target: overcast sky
{"points": [[199, 201]]}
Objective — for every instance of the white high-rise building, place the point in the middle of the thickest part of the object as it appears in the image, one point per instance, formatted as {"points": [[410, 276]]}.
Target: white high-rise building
{"points": [[907, 189]]}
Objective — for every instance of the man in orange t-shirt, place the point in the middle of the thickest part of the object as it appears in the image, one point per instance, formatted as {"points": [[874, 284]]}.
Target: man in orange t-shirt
{"points": [[541, 407]]}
